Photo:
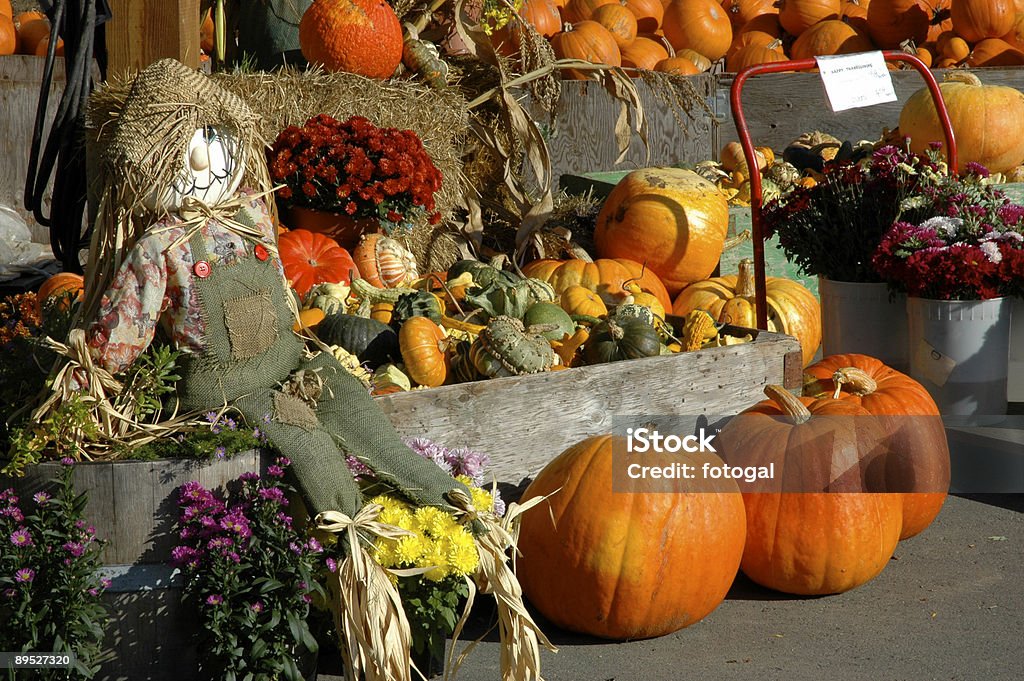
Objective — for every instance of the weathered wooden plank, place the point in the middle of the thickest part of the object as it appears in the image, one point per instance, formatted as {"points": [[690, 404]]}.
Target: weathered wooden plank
{"points": [[21, 77], [779, 107], [582, 137], [143, 31], [523, 422]]}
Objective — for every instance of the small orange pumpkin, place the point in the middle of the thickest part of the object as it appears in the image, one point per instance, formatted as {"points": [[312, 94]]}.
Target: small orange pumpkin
{"points": [[424, 348], [355, 36], [58, 285], [310, 258]]}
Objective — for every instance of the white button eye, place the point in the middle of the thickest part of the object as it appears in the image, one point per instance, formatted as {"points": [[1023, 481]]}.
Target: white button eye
{"points": [[199, 157]]}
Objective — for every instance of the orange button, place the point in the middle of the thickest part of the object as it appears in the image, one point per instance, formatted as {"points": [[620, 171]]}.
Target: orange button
{"points": [[261, 252], [201, 269]]}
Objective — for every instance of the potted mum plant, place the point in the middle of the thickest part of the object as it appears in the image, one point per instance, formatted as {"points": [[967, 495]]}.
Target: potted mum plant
{"points": [[346, 178], [832, 229], [958, 254]]}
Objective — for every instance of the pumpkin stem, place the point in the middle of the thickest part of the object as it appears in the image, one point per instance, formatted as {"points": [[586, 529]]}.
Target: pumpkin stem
{"points": [[858, 380], [789, 403], [961, 76], [615, 330], [745, 279]]}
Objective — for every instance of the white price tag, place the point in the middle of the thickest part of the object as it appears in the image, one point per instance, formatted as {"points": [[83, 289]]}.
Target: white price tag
{"points": [[932, 364], [854, 80]]}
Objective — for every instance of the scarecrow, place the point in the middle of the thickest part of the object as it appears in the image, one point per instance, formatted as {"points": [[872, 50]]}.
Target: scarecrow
{"points": [[204, 272]]}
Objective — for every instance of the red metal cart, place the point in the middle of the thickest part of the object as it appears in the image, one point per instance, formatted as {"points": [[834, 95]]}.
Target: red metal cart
{"points": [[755, 178]]}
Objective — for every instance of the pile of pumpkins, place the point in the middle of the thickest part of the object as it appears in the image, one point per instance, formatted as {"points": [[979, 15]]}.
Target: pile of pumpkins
{"points": [[608, 556], [25, 33], [477, 320], [658, 238]]}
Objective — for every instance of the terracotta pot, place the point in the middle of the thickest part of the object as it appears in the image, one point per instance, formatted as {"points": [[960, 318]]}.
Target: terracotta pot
{"points": [[341, 227]]}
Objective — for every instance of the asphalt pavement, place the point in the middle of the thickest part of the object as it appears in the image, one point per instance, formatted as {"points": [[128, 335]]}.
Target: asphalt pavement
{"points": [[949, 606]]}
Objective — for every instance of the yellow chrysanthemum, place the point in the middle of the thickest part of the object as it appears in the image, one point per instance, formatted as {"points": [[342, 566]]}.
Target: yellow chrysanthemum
{"points": [[436, 556], [463, 557], [409, 548], [431, 520], [385, 554]]}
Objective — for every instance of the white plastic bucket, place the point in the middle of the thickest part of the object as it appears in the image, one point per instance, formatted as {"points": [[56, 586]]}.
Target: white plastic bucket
{"points": [[860, 318]]}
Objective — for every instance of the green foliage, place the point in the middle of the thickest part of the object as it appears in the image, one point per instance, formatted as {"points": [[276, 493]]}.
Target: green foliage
{"points": [[149, 378], [58, 435], [51, 594], [432, 609]]}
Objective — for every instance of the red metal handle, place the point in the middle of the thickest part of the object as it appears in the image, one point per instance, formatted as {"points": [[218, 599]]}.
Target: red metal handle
{"points": [[755, 178]]}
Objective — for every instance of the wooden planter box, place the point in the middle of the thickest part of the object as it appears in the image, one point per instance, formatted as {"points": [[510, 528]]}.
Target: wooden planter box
{"points": [[523, 422], [134, 507]]}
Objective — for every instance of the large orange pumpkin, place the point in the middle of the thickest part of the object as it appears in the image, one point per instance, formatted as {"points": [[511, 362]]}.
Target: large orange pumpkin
{"points": [[356, 36], [679, 66], [604, 276], [828, 37], [589, 41], [8, 36], [700, 25], [855, 13], [542, 15], [792, 309], [649, 14], [619, 21], [975, 20], [986, 121], [919, 453], [643, 53], [310, 258], [32, 28], [995, 52], [673, 220], [610, 563], [814, 530], [753, 54], [892, 21], [742, 11], [796, 16]]}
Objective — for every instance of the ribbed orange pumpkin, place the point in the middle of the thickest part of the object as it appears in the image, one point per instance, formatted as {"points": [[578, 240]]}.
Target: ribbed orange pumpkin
{"points": [[589, 41], [310, 258], [919, 452], [855, 13], [799, 540], [700, 25], [356, 36], [576, 11], [672, 219], [742, 11], [424, 348], [829, 37], [975, 20], [986, 121], [995, 52], [542, 15], [792, 309], [643, 53], [699, 60], [753, 54], [649, 14], [57, 285], [891, 22], [647, 280], [604, 276], [619, 21], [608, 563], [679, 66], [796, 16]]}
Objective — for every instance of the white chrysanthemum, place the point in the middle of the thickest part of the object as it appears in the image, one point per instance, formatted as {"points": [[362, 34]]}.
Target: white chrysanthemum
{"points": [[944, 225], [992, 252]]}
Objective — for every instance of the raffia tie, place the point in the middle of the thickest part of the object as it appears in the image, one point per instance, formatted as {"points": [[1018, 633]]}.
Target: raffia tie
{"points": [[374, 631], [195, 213], [520, 636]]}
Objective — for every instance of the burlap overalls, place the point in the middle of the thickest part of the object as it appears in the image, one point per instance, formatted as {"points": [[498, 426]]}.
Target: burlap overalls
{"points": [[250, 350]]}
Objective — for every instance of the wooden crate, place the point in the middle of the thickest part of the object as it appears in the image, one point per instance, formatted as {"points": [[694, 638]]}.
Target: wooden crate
{"points": [[523, 422]]}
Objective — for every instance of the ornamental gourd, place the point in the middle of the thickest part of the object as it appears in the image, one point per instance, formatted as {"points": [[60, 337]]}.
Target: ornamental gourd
{"points": [[700, 25], [918, 464], [371, 341], [792, 309], [424, 349], [310, 258], [671, 219], [986, 121], [614, 340], [384, 262], [609, 563], [356, 36], [818, 527]]}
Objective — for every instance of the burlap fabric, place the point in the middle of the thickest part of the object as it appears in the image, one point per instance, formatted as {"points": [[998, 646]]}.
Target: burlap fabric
{"points": [[250, 352], [167, 103]]}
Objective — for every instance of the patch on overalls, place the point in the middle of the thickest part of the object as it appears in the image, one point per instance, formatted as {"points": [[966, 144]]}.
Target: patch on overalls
{"points": [[251, 324], [292, 411]]}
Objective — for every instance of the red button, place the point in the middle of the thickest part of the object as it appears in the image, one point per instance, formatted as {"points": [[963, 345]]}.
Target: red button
{"points": [[261, 252], [201, 269]]}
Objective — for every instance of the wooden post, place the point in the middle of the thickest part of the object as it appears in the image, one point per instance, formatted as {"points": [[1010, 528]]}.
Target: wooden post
{"points": [[144, 31]]}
